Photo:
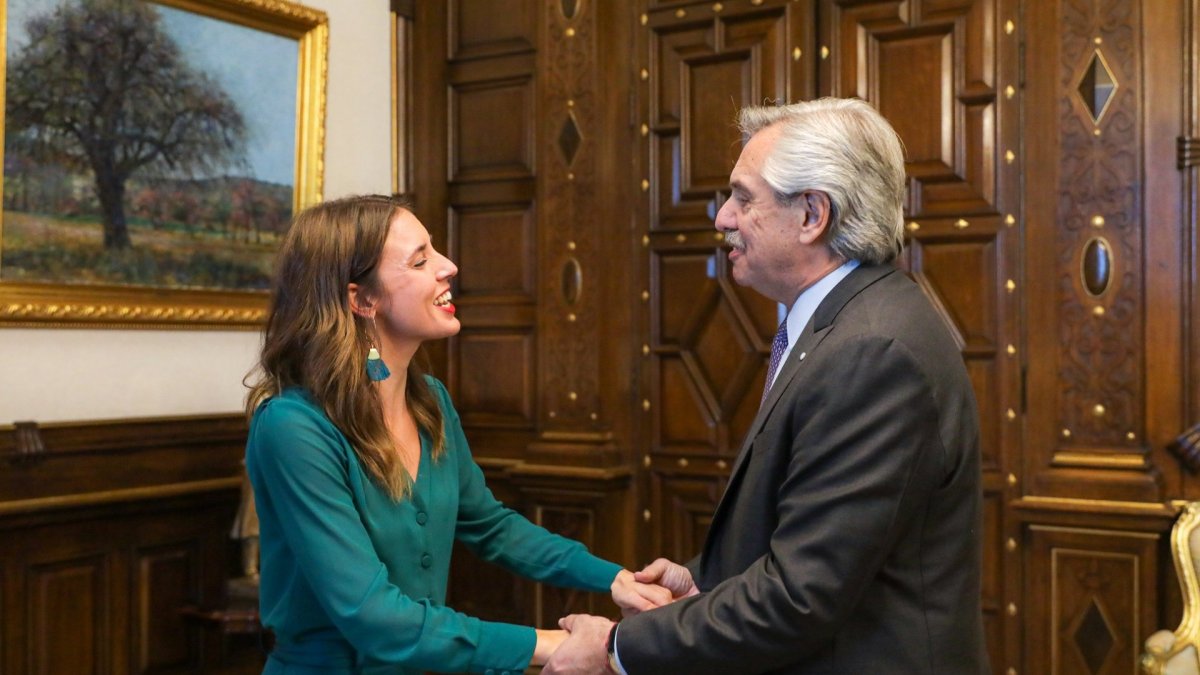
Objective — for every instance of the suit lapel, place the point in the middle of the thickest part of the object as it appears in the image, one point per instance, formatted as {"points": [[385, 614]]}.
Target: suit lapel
{"points": [[810, 339]]}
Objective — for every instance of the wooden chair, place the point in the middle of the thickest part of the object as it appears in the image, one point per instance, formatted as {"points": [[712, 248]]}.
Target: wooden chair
{"points": [[1175, 652]]}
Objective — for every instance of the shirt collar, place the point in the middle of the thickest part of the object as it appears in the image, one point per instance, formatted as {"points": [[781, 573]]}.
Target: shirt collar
{"points": [[806, 305]]}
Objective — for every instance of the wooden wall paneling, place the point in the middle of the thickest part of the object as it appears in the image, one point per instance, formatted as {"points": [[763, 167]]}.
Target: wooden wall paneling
{"points": [[530, 129], [165, 578], [682, 492], [1096, 589], [1088, 375], [1189, 159], [1192, 230], [945, 74], [580, 232], [705, 339], [108, 532], [490, 122], [70, 598]]}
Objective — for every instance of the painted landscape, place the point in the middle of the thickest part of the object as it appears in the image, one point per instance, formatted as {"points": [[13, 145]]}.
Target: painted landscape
{"points": [[133, 156]]}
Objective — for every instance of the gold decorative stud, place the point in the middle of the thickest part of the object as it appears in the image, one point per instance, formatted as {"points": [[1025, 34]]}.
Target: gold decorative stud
{"points": [[796, 54], [824, 52], [912, 226], [1010, 91], [682, 462], [1066, 433], [570, 32], [1098, 310], [961, 224], [1009, 27], [1098, 410]]}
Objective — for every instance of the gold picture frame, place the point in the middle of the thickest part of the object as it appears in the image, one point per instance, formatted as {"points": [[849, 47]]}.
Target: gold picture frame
{"points": [[78, 305]]}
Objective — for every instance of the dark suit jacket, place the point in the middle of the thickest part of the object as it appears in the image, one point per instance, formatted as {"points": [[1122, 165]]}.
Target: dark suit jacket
{"points": [[848, 540]]}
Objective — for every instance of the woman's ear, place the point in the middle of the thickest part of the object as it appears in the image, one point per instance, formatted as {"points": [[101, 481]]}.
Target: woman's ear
{"points": [[359, 303]]}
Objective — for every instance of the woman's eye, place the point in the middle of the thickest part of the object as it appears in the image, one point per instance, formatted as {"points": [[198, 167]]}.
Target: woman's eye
{"points": [[420, 263]]}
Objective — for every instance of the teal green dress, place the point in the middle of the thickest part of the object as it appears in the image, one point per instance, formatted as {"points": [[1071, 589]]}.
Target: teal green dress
{"points": [[354, 582]]}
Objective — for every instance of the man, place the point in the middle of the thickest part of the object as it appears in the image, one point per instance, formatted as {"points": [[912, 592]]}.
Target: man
{"points": [[848, 538]]}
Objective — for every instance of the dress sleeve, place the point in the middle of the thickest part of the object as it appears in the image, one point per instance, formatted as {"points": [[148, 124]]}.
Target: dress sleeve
{"points": [[499, 534], [297, 463]]}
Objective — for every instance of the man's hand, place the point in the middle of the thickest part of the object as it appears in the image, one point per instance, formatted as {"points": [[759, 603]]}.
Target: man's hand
{"points": [[585, 650], [634, 597], [672, 576]]}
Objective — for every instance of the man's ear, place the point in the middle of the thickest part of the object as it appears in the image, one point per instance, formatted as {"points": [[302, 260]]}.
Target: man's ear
{"points": [[360, 304], [817, 210]]}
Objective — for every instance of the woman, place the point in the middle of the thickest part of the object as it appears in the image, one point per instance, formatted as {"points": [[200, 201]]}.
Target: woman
{"points": [[362, 475]]}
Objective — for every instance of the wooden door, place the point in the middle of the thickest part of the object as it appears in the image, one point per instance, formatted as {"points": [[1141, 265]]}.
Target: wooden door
{"points": [[1105, 258]]}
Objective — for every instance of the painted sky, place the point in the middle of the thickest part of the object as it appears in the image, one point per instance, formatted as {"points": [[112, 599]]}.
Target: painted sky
{"points": [[258, 70]]}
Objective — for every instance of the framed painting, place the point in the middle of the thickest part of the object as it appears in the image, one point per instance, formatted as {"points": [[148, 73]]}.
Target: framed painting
{"points": [[154, 153]]}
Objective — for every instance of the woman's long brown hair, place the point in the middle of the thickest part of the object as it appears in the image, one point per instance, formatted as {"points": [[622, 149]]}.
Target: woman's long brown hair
{"points": [[314, 341]]}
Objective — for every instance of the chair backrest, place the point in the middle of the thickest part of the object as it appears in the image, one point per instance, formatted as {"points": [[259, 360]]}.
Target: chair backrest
{"points": [[1167, 652]]}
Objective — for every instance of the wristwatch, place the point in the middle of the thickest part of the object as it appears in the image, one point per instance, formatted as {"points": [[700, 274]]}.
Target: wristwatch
{"points": [[611, 647]]}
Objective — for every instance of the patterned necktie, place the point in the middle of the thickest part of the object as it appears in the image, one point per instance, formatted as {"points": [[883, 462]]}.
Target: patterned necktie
{"points": [[778, 346]]}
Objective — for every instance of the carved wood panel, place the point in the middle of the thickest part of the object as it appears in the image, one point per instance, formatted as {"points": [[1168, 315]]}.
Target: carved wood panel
{"points": [[1091, 599], [1089, 368]]}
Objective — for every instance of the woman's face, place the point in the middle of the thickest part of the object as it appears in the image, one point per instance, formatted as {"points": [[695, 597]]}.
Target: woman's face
{"points": [[413, 303]]}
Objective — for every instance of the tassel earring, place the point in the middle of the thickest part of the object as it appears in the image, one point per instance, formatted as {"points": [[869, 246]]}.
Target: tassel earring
{"points": [[377, 370]]}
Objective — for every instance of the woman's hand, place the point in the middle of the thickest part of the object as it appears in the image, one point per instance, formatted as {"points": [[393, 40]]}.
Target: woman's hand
{"points": [[547, 642], [633, 596]]}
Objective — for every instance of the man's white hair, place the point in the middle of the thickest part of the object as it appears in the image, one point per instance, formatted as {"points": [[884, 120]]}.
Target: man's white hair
{"points": [[847, 150]]}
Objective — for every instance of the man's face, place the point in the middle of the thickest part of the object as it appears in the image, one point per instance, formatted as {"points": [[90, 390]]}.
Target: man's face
{"points": [[764, 236]]}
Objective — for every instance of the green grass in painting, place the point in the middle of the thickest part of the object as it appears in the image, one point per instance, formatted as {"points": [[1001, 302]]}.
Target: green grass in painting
{"points": [[70, 250]]}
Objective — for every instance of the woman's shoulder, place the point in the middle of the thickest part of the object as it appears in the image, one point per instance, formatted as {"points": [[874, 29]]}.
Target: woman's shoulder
{"points": [[291, 409]]}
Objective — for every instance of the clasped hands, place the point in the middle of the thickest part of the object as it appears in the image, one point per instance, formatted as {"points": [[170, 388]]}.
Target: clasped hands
{"points": [[583, 651]]}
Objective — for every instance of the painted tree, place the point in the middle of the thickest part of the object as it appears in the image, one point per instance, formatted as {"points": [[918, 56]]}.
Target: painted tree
{"points": [[102, 87]]}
